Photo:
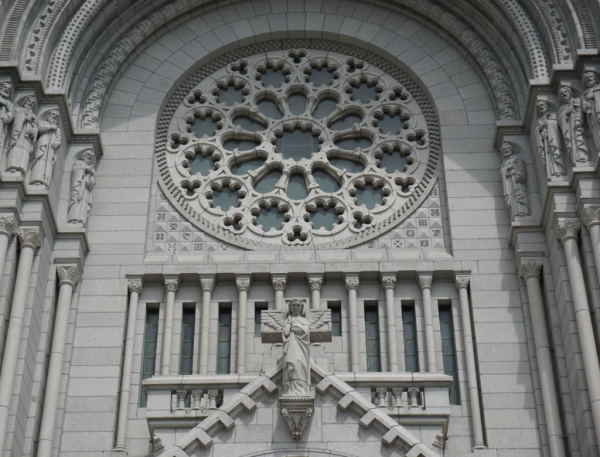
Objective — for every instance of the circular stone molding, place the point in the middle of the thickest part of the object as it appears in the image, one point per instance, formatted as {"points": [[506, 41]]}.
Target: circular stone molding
{"points": [[297, 144]]}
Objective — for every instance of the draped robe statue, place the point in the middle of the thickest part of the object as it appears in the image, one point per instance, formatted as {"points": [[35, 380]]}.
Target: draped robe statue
{"points": [[592, 105], [570, 119], [514, 171], [22, 136], [83, 180], [44, 156], [6, 114], [549, 142]]}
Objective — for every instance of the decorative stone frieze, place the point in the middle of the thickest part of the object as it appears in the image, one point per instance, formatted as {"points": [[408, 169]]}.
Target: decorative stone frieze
{"points": [[567, 229], [30, 237], [68, 274]]}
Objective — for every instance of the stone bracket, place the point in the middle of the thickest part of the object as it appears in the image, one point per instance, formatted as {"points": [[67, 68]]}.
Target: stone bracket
{"points": [[296, 412]]}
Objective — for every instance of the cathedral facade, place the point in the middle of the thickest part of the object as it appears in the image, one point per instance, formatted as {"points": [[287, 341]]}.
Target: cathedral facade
{"points": [[302, 228]]}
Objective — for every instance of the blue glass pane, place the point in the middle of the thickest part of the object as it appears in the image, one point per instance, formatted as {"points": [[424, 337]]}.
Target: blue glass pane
{"points": [[364, 93], [201, 164], [248, 124], [323, 218], [270, 218], [324, 108], [225, 198], [352, 143], [297, 144], [230, 95], [244, 167], [267, 183], [350, 165], [325, 181], [322, 76], [346, 122], [297, 103], [242, 145], [393, 162], [203, 127], [270, 109], [297, 187], [272, 77], [369, 196], [390, 124]]}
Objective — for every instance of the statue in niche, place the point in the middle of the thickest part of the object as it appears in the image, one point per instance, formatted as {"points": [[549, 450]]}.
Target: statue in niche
{"points": [[22, 136], [549, 142], [83, 180], [6, 113], [48, 142], [592, 105], [514, 172], [570, 119]]}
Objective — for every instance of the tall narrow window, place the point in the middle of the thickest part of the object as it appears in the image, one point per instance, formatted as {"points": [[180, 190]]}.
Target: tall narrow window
{"points": [[150, 340], [372, 336], [188, 320], [336, 317], [224, 350], [409, 330], [258, 308], [449, 351]]}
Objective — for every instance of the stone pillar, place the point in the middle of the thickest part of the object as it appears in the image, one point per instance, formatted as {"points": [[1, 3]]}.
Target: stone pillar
{"points": [[389, 284], [135, 289], [7, 229], [279, 284], [425, 281], [591, 219], [352, 283], [30, 239], [243, 285], [567, 232], [316, 283], [462, 282], [208, 284], [171, 286], [529, 270]]}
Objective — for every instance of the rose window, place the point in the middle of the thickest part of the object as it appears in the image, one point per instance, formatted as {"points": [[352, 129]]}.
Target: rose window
{"points": [[297, 147]]}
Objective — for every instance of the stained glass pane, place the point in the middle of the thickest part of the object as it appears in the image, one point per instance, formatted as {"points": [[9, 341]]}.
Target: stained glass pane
{"points": [[270, 218], [364, 93], [203, 127], [230, 95], [369, 196], [323, 217], [321, 76], [297, 145], [225, 198], [372, 338], [272, 77], [326, 182]]}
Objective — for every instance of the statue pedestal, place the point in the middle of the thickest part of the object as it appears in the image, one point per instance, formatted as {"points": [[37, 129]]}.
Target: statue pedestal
{"points": [[296, 412]]}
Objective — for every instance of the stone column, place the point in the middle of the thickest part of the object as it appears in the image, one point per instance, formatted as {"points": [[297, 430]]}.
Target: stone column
{"points": [[462, 282], [279, 284], [208, 284], [389, 284], [135, 290], [171, 286], [591, 219], [567, 232], [7, 229], [30, 239], [243, 285], [352, 283], [316, 283], [425, 281], [529, 270]]}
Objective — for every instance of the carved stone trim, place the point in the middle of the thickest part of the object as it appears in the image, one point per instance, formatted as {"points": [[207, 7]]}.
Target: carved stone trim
{"points": [[568, 228], [462, 281], [243, 283], [388, 282], [296, 412], [30, 236], [591, 215], [352, 283], [8, 226], [315, 282], [279, 283], [425, 280], [530, 267], [68, 274], [207, 283], [171, 285], [135, 285]]}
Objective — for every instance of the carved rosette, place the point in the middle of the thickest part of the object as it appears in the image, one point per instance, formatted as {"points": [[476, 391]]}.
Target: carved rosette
{"points": [[315, 283], [591, 215], [8, 226], [388, 282], [568, 229], [30, 237], [530, 268], [352, 283], [297, 411], [242, 283], [462, 281], [135, 286], [171, 285], [207, 283], [68, 274], [425, 280]]}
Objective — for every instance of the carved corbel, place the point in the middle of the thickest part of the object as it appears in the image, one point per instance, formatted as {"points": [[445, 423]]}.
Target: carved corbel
{"points": [[297, 413]]}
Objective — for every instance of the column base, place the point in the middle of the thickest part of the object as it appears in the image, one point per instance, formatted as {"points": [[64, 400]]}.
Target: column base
{"points": [[121, 449]]}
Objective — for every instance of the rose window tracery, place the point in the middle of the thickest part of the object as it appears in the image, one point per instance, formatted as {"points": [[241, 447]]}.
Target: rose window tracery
{"points": [[298, 147]]}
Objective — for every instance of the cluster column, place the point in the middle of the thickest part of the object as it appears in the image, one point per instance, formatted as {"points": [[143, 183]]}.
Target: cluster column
{"points": [[352, 283], [591, 219], [207, 283], [316, 284], [7, 229], [171, 286], [279, 284], [30, 239], [425, 281], [243, 286], [567, 232], [389, 284]]}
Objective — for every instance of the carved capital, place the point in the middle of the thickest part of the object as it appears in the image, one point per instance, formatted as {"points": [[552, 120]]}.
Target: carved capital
{"points": [[135, 285], [30, 236], [425, 280], [171, 285], [243, 283], [279, 283], [590, 215], [462, 281], [68, 274], [388, 282], [315, 282], [207, 283], [567, 229], [8, 226], [352, 283], [530, 267]]}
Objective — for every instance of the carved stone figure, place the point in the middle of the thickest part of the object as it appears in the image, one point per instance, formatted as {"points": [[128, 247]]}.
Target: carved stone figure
{"points": [[549, 142], [570, 119], [6, 113], [514, 171], [44, 156], [592, 105], [22, 136], [83, 180]]}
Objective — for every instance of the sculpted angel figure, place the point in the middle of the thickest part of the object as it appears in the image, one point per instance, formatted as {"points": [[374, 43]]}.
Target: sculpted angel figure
{"points": [[514, 171], [6, 113], [570, 119], [83, 180], [592, 105], [549, 142], [44, 157], [22, 136]]}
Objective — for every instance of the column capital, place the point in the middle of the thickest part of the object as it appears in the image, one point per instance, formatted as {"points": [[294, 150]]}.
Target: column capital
{"points": [[8, 226], [135, 285], [530, 267], [315, 282], [352, 281], [388, 282], [30, 236], [425, 280], [68, 274], [171, 283], [243, 282], [207, 282], [567, 229], [462, 281], [279, 282], [590, 215]]}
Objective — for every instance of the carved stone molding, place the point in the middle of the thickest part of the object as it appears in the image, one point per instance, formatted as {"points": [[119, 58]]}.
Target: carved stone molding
{"points": [[425, 280], [530, 267], [591, 215], [279, 283], [68, 274], [352, 283], [315, 282], [462, 281], [243, 283], [8, 226], [171, 285], [207, 283], [135, 285], [296, 412], [30, 237], [568, 228], [388, 282]]}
